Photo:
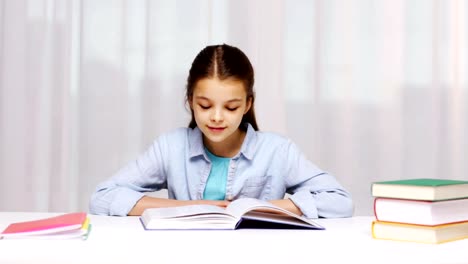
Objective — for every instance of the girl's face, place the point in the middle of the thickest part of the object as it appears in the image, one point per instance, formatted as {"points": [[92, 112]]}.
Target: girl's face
{"points": [[218, 107]]}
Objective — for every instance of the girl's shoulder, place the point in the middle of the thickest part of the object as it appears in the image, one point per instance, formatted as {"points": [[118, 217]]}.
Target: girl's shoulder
{"points": [[276, 144], [176, 139], [271, 135], [176, 134], [272, 138]]}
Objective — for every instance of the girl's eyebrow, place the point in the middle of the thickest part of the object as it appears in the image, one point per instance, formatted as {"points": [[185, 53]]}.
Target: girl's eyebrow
{"points": [[229, 101], [201, 97]]}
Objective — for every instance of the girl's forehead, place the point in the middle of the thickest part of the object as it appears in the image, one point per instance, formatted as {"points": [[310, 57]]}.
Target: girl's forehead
{"points": [[219, 88]]}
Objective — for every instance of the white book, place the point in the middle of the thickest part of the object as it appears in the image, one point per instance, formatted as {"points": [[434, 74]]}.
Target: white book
{"points": [[421, 212], [245, 212]]}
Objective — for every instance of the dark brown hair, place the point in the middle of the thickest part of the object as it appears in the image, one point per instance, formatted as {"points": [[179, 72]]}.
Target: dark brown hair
{"points": [[223, 62]]}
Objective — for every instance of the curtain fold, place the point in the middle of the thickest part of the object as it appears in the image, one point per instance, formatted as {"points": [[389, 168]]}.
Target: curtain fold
{"points": [[369, 90]]}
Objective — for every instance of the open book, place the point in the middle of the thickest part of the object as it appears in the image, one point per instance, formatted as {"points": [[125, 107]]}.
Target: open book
{"points": [[242, 213]]}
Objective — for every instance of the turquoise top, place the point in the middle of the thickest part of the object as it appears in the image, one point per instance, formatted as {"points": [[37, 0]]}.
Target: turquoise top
{"points": [[216, 183]]}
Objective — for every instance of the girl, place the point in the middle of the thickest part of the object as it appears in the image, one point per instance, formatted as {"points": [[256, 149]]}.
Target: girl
{"points": [[222, 156]]}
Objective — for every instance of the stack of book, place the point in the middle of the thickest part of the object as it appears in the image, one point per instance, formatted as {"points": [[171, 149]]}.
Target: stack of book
{"points": [[64, 226], [420, 210]]}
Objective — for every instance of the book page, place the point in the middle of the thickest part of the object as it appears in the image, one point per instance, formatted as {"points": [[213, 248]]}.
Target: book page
{"points": [[240, 207], [183, 211], [254, 209], [288, 220], [188, 217]]}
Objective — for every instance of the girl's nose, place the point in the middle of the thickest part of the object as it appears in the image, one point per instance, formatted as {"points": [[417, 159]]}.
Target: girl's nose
{"points": [[217, 115]]}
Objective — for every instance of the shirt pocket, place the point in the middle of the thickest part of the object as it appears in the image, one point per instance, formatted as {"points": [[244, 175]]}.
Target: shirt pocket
{"points": [[257, 187]]}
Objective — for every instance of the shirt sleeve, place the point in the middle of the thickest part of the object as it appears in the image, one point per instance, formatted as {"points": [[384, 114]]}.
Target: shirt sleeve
{"points": [[119, 194], [315, 192]]}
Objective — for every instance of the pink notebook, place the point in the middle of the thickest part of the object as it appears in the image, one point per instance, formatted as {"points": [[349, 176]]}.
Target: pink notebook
{"points": [[49, 226]]}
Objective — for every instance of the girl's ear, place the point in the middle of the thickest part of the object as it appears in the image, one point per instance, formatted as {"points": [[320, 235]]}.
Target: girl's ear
{"points": [[190, 102], [248, 105]]}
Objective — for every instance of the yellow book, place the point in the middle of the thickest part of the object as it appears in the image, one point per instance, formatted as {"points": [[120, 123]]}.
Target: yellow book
{"points": [[419, 233]]}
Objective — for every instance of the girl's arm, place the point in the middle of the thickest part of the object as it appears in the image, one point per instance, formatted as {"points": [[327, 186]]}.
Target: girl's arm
{"points": [[287, 205], [153, 202], [313, 191], [120, 193]]}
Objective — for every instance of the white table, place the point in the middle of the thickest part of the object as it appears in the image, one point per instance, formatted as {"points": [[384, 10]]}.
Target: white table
{"points": [[123, 240]]}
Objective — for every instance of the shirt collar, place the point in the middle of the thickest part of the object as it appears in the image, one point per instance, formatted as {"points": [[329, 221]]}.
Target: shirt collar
{"points": [[250, 141], [196, 147]]}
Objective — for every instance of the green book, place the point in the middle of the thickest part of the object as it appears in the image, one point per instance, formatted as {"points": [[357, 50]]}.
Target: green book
{"points": [[421, 189]]}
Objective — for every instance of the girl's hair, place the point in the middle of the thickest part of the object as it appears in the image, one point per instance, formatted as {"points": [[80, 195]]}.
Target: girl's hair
{"points": [[223, 62]]}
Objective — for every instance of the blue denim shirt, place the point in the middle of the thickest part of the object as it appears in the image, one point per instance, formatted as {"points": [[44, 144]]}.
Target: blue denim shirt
{"points": [[267, 166]]}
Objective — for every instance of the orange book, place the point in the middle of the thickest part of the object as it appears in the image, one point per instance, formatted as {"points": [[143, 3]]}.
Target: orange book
{"points": [[419, 233], [69, 225]]}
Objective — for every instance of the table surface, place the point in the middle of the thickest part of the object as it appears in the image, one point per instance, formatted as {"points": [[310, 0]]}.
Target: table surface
{"points": [[123, 240]]}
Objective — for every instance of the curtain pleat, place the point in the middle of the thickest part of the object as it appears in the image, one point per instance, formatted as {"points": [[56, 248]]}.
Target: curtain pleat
{"points": [[369, 90]]}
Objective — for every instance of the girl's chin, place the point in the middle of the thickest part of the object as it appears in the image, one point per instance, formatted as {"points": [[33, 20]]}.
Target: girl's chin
{"points": [[215, 139]]}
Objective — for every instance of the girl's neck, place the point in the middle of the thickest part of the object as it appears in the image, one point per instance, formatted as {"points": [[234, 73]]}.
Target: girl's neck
{"points": [[227, 148]]}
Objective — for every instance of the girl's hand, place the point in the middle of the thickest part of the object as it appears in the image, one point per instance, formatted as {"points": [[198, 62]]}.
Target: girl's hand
{"points": [[288, 205], [223, 203], [153, 202]]}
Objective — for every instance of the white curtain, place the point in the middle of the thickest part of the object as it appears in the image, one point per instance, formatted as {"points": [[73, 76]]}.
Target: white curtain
{"points": [[370, 90]]}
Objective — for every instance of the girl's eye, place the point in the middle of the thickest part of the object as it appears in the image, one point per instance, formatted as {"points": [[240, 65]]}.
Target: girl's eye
{"points": [[232, 109], [204, 107]]}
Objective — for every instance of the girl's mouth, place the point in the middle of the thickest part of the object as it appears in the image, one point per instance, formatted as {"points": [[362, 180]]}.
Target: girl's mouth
{"points": [[217, 129]]}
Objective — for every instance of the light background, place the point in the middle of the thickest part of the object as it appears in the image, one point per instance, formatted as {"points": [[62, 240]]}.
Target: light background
{"points": [[370, 90]]}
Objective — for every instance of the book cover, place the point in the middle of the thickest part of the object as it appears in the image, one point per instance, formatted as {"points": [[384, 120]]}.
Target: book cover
{"points": [[61, 226], [421, 189], [246, 212], [419, 233], [421, 212]]}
